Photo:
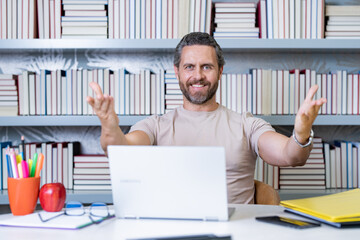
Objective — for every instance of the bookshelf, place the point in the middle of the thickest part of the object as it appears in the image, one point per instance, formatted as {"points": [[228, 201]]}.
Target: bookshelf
{"points": [[232, 50], [252, 52]]}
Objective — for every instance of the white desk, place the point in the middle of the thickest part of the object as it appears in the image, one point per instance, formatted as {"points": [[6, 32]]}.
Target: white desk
{"points": [[242, 226]]}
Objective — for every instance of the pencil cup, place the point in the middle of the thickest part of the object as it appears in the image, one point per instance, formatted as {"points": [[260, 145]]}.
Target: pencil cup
{"points": [[23, 194]]}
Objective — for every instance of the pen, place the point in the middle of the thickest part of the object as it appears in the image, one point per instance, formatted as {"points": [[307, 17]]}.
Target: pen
{"points": [[8, 161], [14, 164], [23, 147], [39, 165]]}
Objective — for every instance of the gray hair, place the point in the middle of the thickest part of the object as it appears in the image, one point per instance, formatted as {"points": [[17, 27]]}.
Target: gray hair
{"points": [[198, 38]]}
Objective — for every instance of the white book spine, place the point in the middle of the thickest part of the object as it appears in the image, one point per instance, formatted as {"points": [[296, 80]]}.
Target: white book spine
{"points": [[274, 89], [223, 89], [147, 92], [3, 19], [148, 6], [356, 94], [250, 92], [153, 19], [79, 93], [164, 19], [120, 21], [170, 19], [58, 92], [32, 94], [137, 19], [280, 92], [286, 92], [85, 89], [111, 17], [192, 16]]}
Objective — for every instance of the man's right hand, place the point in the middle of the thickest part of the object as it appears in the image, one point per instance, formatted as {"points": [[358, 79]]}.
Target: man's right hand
{"points": [[103, 106]]}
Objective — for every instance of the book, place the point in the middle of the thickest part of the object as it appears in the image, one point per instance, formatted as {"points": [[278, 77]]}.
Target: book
{"points": [[342, 10], [85, 13], [337, 209]]}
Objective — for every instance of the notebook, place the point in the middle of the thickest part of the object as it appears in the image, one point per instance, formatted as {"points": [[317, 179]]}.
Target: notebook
{"points": [[169, 182], [338, 210]]}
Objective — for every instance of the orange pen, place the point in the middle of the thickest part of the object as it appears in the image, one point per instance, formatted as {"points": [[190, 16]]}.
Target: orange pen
{"points": [[39, 164]]}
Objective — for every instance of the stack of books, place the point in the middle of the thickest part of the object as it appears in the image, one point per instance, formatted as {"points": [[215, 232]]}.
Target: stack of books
{"points": [[8, 95], [49, 16], [309, 176], [91, 172], [235, 20], [343, 22], [17, 19], [61, 92], [84, 19], [173, 94], [291, 19], [338, 210], [344, 161], [161, 19]]}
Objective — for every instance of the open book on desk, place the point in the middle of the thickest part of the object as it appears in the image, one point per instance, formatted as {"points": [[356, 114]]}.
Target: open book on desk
{"points": [[61, 222], [339, 209]]}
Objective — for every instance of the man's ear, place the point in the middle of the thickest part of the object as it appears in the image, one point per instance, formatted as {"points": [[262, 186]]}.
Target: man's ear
{"points": [[221, 71], [176, 72]]}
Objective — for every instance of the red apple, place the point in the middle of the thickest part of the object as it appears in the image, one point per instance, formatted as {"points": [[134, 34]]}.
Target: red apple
{"points": [[52, 197]]}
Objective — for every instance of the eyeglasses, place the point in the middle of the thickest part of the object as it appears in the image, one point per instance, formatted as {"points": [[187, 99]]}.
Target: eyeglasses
{"points": [[74, 208]]}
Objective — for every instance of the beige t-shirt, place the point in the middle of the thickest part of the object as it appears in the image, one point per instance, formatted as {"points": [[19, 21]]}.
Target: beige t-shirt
{"points": [[238, 133]]}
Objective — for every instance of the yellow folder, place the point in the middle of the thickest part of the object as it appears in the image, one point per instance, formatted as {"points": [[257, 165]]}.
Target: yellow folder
{"points": [[338, 208]]}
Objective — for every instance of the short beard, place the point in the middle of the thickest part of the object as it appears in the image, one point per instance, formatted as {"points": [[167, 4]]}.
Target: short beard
{"points": [[198, 98]]}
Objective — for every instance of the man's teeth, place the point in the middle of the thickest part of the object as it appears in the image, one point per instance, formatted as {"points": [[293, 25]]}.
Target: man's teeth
{"points": [[197, 85]]}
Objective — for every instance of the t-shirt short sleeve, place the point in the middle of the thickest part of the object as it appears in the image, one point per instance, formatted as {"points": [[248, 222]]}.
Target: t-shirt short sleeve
{"points": [[254, 128], [149, 126]]}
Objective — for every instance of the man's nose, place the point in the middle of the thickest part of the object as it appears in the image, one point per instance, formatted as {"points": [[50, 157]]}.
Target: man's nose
{"points": [[198, 73]]}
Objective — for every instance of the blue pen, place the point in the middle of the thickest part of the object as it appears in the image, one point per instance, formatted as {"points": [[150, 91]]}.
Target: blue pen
{"points": [[9, 166]]}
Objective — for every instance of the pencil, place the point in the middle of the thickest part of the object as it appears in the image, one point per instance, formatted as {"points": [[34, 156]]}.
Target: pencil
{"points": [[23, 147]]}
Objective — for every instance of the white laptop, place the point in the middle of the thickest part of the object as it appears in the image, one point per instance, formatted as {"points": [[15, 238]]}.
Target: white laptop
{"points": [[169, 182]]}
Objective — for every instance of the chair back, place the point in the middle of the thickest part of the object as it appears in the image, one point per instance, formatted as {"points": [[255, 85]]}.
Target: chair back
{"points": [[265, 194]]}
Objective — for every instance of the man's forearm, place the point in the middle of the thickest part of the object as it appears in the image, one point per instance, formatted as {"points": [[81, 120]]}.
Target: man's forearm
{"points": [[112, 136]]}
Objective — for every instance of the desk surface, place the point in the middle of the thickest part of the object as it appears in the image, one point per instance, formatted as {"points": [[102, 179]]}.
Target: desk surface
{"points": [[242, 225]]}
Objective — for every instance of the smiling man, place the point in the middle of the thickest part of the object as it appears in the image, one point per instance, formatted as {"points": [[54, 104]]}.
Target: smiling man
{"points": [[201, 121]]}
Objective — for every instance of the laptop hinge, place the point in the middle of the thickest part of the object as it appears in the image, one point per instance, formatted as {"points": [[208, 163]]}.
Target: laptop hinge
{"points": [[130, 217], [211, 219]]}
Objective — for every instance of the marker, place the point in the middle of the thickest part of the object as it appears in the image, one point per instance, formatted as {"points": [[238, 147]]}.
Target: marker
{"points": [[39, 165], [29, 162], [18, 158], [33, 165], [25, 169], [20, 170]]}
